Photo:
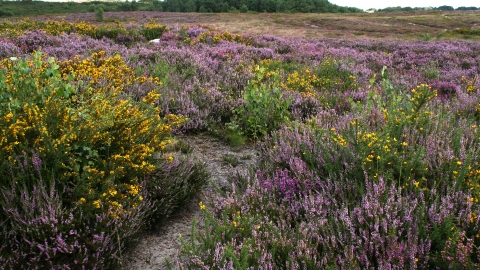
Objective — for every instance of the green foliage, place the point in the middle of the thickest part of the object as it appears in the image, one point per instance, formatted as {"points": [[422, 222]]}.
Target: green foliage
{"points": [[430, 70], [224, 7], [179, 179], [152, 30], [384, 148], [190, 6], [426, 37], [30, 8], [265, 107], [233, 10], [234, 134], [235, 225], [467, 8], [244, 9], [99, 14], [466, 32], [80, 130], [110, 30], [444, 7], [6, 13], [231, 160]]}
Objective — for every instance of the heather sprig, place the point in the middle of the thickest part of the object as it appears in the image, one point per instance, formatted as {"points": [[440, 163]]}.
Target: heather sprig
{"points": [[40, 230]]}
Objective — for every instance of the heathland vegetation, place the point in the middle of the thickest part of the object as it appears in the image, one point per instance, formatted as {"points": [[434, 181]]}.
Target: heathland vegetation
{"points": [[369, 147]]}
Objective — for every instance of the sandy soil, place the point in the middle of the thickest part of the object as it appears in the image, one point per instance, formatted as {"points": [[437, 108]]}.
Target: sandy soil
{"points": [[153, 247]]}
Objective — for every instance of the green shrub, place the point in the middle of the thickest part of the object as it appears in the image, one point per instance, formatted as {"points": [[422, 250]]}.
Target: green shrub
{"points": [[265, 107], [90, 149], [99, 13], [243, 9], [152, 30], [73, 114]]}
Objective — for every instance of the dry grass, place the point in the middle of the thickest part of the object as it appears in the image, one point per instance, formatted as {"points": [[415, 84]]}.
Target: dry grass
{"points": [[395, 25]]}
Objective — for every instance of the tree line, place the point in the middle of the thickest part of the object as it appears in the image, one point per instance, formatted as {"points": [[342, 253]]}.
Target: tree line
{"points": [[442, 8], [29, 7], [305, 6]]}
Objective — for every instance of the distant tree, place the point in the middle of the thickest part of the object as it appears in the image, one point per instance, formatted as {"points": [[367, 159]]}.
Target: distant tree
{"points": [[318, 6], [289, 6], [99, 13], [391, 9], [252, 5], [235, 3], [354, 10], [224, 7], [269, 5], [190, 6], [157, 5], [6, 13], [279, 6], [202, 9], [244, 9], [321, 6], [467, 8], [304, 6], [233, 10], [212, 6], [445, 8], [171, 6]]}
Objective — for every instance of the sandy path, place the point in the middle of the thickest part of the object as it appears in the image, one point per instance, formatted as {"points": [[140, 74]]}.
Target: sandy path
{"points": [[153, 247]]}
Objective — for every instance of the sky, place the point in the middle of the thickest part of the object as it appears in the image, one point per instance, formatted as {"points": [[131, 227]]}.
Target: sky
{"points": [[366, 4]]}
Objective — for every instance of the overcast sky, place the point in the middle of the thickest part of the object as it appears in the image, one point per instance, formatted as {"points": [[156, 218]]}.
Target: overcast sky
{"points": [[366, 4]]}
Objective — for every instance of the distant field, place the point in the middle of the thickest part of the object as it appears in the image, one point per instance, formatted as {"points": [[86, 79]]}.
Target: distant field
{"points": [[396, 25]]}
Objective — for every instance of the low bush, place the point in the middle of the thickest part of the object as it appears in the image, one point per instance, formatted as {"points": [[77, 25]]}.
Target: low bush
{"points": [[83, 163], [265, 108], [152, 30]]}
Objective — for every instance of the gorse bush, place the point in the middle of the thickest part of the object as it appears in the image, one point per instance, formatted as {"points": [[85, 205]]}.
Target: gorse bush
{"points": [[152, 30], [110, 30], [92, 145], [74, 113]]}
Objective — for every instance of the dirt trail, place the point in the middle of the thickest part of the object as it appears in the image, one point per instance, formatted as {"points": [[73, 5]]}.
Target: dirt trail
{"points": [[152, 248]]}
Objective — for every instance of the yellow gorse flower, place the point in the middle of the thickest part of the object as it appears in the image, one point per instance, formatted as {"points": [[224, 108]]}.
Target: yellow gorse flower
{"points": [[100, 136], [97, 204]]}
